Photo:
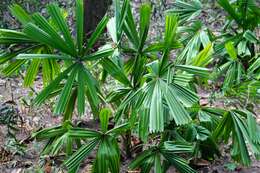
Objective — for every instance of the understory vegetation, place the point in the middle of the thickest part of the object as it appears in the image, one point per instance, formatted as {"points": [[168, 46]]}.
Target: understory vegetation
{"points": [[152, 115]]}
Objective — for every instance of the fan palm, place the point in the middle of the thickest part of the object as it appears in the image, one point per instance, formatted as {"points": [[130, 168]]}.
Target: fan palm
{"points": [[19, 43], [105, 140], [162, 156], [243, 129], [187, 10], [234, 68], [74, 52]]}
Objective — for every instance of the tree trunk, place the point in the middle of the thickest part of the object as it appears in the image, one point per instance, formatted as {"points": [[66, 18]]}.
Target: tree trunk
{"points": [[94, 12]]}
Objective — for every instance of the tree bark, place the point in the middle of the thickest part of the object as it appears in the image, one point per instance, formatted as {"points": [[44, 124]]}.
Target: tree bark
{"points": [[94, 12]]}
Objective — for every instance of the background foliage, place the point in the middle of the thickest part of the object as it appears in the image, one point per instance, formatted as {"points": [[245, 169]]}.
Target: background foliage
{"points": [[155, 100]]}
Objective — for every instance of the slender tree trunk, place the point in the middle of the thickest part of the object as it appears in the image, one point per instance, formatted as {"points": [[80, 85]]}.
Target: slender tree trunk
{"points": [[94, 12], [127, 144]]}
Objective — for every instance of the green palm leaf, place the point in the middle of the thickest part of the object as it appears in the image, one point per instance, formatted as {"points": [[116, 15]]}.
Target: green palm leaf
{"points": [[81, 154], [186, 10], [198, 71], [231, 50], [156, 119], [204, 57], [104, 118], [80, 23], [39, 35], [65, 94], [178, 113], [96, 34], [81, 92], [130, 28], [234, 123], [50, 30], [179, 163], [11, 37], [31, 73], [145, 12], [43, 56], [114, 70], [58, 19], [52, 86], [82, 133], [139, 160], [227, 6], [13, 67], [108, 157], [102, 53], [20, 14], [171, 24], [91, 84]]}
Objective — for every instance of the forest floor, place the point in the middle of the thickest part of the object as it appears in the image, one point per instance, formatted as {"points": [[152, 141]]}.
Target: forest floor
{"points": [[23, 155]]}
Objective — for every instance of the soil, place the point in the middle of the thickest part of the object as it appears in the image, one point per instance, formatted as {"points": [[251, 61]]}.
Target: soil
{"points": [[12, 93]]}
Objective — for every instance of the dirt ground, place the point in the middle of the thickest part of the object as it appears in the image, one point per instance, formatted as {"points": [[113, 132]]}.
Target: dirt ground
{"points": [[27, 159], [12, 92]]}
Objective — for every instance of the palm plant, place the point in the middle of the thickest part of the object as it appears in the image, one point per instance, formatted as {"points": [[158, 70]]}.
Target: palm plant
{"points": [[196, 38], [162, 156], [243, 129], [19, 43], [243, 19], [151, 79], [156, 100], [54, 35], [194, 34], [158, 97], [241, 78], [243, 13], [58, 138], [65, 136], [187, 10], [108, 155], [239, 81], [248, 89], [233, 67]]}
